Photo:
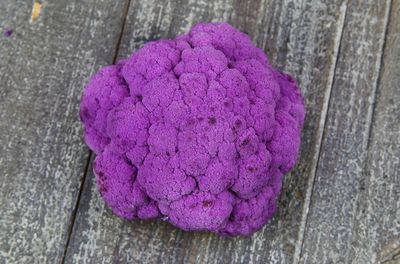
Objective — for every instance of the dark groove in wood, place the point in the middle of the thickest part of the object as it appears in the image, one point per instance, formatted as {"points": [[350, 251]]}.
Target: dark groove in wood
{"points": [[76, 207], [117, 47], [378, 81]]}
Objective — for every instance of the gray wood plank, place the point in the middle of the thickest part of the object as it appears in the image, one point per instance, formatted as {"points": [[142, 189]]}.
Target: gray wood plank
{"points": [[377, 233], [301, 38], [340, 178], [43, 68]]}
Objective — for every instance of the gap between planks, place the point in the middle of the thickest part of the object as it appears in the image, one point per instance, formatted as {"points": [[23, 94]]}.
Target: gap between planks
{"points": [[371, 115], [87, 165], [75, 210]]}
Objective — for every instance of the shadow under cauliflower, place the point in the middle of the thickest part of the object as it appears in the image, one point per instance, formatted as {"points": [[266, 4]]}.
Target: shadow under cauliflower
{"points": [[198, 131]]}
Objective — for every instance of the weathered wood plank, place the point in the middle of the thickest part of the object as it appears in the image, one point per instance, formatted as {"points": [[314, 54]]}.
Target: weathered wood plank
{"points": [[300, 37], [340, 178], [43, 68], [377, 234]]}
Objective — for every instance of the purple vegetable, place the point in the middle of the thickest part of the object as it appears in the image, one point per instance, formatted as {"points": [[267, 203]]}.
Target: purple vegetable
{"points": [[8, 32], [197, 131]]}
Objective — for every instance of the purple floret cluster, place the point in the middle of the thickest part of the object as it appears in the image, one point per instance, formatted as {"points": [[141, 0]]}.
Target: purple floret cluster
{"points": [[197, 131]]}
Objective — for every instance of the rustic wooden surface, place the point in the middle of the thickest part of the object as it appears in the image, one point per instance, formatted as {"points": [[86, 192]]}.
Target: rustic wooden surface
{"points": [[377, 232], [340, 177], [341, 204], [43, 67]]}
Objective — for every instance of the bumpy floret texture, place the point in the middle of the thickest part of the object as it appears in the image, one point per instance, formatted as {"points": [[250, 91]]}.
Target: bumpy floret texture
{"points": [[197, 131]]}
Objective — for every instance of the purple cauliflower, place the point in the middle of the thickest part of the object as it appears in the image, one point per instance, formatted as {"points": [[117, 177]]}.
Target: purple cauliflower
{"points": [[197, 131]]}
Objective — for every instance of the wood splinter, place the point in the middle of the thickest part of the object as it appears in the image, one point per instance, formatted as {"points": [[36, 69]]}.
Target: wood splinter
{"points": [[35, 10]]}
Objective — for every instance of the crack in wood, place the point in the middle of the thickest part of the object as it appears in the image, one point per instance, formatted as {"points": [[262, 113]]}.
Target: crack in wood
{"points": [[76, 208]]}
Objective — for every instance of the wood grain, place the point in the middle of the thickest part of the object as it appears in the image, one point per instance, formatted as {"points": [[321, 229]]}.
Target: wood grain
{"points": [[300, 37], [43, 68], [341, 182], [376, 236]]}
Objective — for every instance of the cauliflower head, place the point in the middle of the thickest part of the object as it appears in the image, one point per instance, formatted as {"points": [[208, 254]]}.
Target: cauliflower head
{"points": [[197, 131]]}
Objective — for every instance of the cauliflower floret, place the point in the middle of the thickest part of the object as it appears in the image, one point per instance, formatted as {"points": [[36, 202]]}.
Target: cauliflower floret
{"points": [[197, 131]]}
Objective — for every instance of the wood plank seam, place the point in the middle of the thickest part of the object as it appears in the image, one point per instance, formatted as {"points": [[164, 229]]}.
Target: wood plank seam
{"points": [[122, 31], [378, 81], [87, 165], [75, 210], [321, 134]]}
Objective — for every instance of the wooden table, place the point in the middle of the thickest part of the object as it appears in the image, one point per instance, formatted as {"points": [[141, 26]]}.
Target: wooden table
{"points": [[340, 205]]}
